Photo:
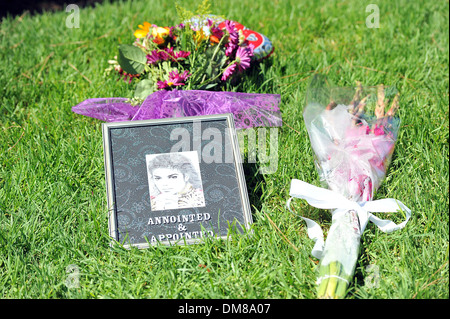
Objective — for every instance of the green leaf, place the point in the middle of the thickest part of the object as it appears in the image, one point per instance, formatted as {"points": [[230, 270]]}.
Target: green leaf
{"points": [[144, 88], [216, 60], [131, 59], [208, 86], [167, 67], [182, 39]]}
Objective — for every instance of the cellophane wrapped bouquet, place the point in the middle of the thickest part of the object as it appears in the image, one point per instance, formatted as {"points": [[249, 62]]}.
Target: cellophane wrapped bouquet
{"points": [[202, 52], [353, 134], [191, 69]]}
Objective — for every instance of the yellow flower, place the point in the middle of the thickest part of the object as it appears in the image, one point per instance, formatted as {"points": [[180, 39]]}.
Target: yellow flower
{"points": [[159, 34], [199, 36], [143, 30]]}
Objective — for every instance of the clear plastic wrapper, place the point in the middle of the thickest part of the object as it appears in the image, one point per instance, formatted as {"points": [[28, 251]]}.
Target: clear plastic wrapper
{"points": [[352, 139], [353, 133]]}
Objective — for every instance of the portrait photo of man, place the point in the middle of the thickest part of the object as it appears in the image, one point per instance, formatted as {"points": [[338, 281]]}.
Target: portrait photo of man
{"points": [[174, 181]]}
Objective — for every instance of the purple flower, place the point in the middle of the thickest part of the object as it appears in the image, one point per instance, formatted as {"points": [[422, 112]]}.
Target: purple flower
{"points": [[233, 40], [230, 26]]}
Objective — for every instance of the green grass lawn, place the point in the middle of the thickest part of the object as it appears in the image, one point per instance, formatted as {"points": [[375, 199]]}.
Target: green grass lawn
{"points": [[52, 190]]}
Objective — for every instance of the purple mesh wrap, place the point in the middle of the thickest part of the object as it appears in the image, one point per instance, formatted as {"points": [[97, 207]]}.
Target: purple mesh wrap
{"points": [[248, 109]]}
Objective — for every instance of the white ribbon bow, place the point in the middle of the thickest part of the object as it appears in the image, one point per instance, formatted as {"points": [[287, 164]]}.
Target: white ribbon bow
{"points": [[327, 199]]}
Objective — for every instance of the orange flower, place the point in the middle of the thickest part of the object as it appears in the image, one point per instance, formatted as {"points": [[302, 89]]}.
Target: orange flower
{"points": [[143, 30], [214, 39]]}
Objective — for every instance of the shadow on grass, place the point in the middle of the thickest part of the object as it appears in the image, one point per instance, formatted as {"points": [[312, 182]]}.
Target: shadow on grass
{"points": [[17, 8], [253, 179]]}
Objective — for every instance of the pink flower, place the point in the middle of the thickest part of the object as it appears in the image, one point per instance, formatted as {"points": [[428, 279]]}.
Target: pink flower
{"points": [[166, 54], [360, 188], [231, 28], [170, 54], [244, 57], [230, 48], [228, 71], [217, 32], [153, 57], [175, 79], [181, 55], [378, 130], [162, 85]]}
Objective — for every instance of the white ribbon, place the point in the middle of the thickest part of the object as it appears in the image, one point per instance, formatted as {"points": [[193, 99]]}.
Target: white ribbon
{"points": [[327, 199]]}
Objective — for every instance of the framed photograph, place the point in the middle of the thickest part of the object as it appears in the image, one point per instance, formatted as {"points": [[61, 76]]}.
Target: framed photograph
{"points": [[174, 181]]}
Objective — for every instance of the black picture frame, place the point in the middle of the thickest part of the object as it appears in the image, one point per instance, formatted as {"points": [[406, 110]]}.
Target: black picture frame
{"points": [[146, 164]]}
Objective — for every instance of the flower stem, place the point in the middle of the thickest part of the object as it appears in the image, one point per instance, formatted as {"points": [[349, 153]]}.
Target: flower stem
{"points": [[341, 288], [332, 283], [217, 49], [323, 271], [218, 75]]}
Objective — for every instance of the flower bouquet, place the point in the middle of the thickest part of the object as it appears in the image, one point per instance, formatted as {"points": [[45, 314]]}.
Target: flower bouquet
{"points": [[353, 134], [184, 70], [203, 52]]}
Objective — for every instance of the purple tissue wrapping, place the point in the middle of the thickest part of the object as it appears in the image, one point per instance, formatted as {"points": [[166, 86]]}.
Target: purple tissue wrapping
{"points": [[248, 109]]}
